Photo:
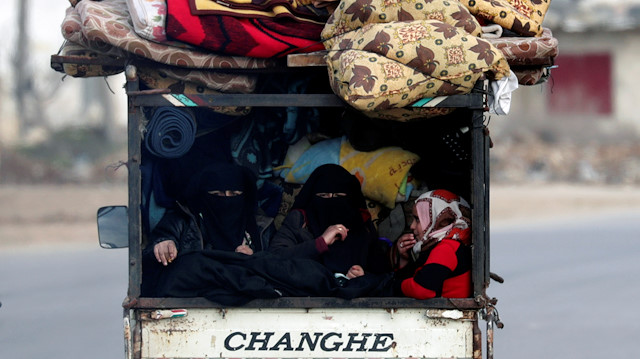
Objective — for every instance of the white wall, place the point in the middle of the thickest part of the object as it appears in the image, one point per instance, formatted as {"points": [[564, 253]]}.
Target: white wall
{"points": [[529, 102]]}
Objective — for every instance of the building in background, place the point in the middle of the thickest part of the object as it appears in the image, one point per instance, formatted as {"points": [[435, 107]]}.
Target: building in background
{"points": [[596, 79]]}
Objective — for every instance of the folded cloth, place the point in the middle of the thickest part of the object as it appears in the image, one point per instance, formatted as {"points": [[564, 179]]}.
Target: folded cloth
{"points": [[241, 36], [179, 82], [500, 100], [526, 51], [170, 132], [261, 8], [107, 22], [493, 31], [532, 75]]}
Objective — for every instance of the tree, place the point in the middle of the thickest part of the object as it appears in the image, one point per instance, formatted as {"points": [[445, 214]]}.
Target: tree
{"points": [[29, 107]]}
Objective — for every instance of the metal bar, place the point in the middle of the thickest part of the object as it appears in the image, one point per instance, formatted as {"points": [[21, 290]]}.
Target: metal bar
{"points": [[471, 100], [487, 207], [477, 341], [135, 118], [83, 60], [315, 302], [490, 320], [253, 100], [478, 197]]}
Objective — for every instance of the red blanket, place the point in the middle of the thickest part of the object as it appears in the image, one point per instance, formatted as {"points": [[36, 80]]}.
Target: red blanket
{"points": [[251, 37]]}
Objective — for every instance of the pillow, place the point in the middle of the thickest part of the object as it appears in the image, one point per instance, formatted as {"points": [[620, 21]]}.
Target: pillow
{"points": [[323, 152], [294, 152], [381, 172], [389, 66], [353, 14], [148, 17], [523, 17]]}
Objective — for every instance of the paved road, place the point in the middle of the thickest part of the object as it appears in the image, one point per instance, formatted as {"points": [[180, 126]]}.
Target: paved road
{"points": [[570, 292], [62, 304], [570, 289]]}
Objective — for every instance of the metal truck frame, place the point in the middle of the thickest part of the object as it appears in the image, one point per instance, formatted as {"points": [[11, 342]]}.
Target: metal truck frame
{"points": [[307, 327]]}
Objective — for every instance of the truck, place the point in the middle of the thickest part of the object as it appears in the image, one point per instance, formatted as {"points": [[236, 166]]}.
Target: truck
{"points": [[302, 327], [298, 327]]}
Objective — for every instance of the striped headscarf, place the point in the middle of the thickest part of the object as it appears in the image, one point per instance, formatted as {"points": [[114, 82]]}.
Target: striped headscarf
{"points": [[442, 215]]}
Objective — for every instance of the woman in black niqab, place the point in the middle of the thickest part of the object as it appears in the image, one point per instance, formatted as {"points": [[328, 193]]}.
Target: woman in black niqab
{"points": [[223, 199], [204, 219], [331, 198], [215, 210]]}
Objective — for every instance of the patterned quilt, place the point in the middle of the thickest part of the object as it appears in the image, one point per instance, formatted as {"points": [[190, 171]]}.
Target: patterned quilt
{"points": [[256, 37]]}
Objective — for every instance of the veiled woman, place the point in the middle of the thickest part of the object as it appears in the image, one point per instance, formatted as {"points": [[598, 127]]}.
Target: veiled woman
{"points": [[329, 222]]}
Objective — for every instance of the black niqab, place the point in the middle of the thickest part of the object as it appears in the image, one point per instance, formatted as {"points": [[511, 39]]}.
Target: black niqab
{"points": [[224, 220], [348, 210]]}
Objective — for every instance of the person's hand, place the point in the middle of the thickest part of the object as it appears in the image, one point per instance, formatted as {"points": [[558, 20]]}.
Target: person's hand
{"points": [[335, 232], [165, 252], [405, 243], [355, 271], [244, 249]]}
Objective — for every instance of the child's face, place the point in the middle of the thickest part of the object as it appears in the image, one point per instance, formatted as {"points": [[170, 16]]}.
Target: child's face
{"points": [[416, 226]]}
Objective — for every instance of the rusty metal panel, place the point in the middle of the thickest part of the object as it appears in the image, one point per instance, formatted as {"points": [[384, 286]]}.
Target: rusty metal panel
{"points": [[308, 333]]}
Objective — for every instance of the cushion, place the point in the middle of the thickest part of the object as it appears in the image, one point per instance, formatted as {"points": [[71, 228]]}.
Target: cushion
{"points": [[353, 14], [381, 67], [323, 152], [149, 17], [524, 17]]}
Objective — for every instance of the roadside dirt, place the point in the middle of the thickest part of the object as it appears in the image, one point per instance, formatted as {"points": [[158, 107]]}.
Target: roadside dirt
{"points": [[41, 215], [33, 215]]}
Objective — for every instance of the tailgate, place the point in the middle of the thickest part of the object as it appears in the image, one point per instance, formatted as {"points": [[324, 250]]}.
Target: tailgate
{"points": [[309, 333]]}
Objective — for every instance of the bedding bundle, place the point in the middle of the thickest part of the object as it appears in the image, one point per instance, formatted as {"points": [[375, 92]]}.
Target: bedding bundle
{"points": [[385, 57], [205, 35], [104, 27], [257, 29]]}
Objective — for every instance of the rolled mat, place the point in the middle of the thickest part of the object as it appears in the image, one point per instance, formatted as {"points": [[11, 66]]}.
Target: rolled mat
{"points": [[170, 132]]}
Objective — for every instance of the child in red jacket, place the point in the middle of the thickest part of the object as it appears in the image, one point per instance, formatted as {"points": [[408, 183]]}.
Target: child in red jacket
{"points": [[435, 260]]}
